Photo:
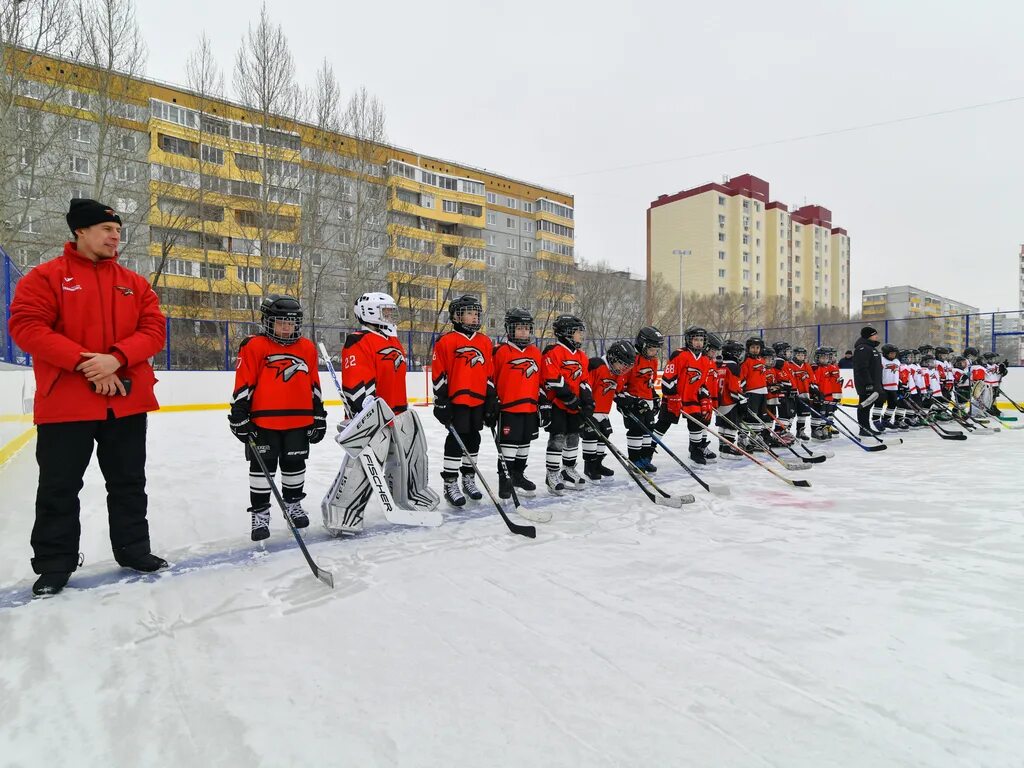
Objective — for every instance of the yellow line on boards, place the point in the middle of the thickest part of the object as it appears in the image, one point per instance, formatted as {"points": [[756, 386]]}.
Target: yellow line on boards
{"points": [[7, 451]]}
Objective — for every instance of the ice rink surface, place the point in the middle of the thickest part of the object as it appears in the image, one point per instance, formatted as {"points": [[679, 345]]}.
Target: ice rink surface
{"points": [[876, 619]]}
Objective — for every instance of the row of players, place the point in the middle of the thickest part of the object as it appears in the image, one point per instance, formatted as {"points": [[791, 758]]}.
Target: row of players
{"points": [[515, 389]]}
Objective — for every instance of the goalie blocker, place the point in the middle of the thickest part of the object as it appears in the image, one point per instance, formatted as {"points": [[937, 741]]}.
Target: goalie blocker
{"points": [[385, 457]]}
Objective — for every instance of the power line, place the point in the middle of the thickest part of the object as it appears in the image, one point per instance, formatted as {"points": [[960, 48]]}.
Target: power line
{"points": [[793, 139]]}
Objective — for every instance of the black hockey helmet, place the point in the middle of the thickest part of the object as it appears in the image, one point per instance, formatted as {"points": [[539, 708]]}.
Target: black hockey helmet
{"points": [[516, 317], [714, 341], [990, 357], [565, 326], [961, 362], [927, 359], [783, 349], [908, 356], [751, 342], [800, 351], [620, 355], [942, 351], [822, 352], [971, 353], [732, 350], [695, 332], [926, 349], [890, 349], [458, 307], [648, 338], [277, 307]]}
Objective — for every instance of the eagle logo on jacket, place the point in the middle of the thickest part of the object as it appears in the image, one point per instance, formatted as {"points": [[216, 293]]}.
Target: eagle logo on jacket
{"points": [[695, 374], [610, 385], [471, 355], [575, 367], [392, 354], [525, 364], [287, 365]]}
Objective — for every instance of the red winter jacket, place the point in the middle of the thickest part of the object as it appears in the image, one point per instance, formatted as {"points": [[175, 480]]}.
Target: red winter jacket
{"points": [[71, 305]]}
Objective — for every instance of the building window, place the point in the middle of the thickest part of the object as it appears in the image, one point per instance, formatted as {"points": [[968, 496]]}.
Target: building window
{"points": [[491, 198], [721, 220], [797, 274], [721, 291], [249, 274], [450, 206], [527, 246], [513, 203], [746, 205], [26, 190], [746, 257], [721, 255], [510, 223], [127, 142], [212, 155], [212, 271], [528, 207], [126, 172], [721, 273], [721, 200], [491, 238], [30, 225], [721, 237], [746, 291], [81, 133], [511, 242], [78, 100], [426, 201], [492, 219], [746, 239], [527, 226], [746, 274], [80, 165]]}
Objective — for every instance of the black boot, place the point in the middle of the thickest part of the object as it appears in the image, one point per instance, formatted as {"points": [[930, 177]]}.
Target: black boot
{"points": [[697, 453], [648, 454], [605, 471], [522, 483], [504, 483], [146, 563], [591, 471], [49, 584]]}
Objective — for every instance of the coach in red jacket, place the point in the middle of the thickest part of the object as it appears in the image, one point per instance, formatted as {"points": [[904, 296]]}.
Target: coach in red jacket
{"points": [[91, 326]]}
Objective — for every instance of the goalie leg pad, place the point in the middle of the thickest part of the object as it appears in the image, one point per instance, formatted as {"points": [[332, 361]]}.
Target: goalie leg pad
{"points": [[406, 466]]}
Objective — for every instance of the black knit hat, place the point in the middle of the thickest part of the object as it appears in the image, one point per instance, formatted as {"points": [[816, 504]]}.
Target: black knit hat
{"points": [[867, 332], [84, 213]]}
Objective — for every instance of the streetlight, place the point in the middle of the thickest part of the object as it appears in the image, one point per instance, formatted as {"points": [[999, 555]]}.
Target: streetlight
{"points": [[680, 254]]}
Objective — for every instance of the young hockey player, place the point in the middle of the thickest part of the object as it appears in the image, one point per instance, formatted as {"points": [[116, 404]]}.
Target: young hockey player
{"points": [[909, 392], [373, 362], [464, 394], [684, 389], [994, 373], [779, 376], [605, 375], [944, 367], [638, 397], [755, 388], [277, 401], [520, 388], [731, 399], [885, 412], [824, 391], [802, 375], [564, 370]]}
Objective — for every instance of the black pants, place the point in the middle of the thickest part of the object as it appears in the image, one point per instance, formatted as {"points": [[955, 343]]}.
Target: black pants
{"points": [[63, 452], [467, 421], [290, 449], [515, 433], [638, 442]]}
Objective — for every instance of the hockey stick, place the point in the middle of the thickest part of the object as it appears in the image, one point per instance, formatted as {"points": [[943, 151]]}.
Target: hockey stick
{"points": [[945, 435], [320, 573], [638, 476], [1014, 403], [522, 530], [841, 428], [886, 441], [762, 442], [713, 488], [809, 459], [543, 516], [334, 376], [727, 441]]}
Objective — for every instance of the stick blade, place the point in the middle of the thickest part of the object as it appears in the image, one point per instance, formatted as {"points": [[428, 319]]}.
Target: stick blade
{"points": [[957, 436], [874, 448], [325, 576], [722, 491], [794, 467], [801, 483]]}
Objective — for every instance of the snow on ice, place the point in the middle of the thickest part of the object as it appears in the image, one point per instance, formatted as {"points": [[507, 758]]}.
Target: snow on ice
{"points": [[876, 619]]}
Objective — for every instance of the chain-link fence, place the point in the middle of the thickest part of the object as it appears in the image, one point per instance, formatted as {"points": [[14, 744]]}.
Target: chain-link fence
{"points": [[9, 276], [212, 345]]}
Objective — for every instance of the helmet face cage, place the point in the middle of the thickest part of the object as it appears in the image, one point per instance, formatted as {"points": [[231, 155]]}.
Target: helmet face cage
{"points": [[274, 308], [822, 356], [754, 341], [458, 309], [733, 351], [378, 310], [621, 356], [783, 350], [799, 352], [516, 319], [649, 342], [565, 328], [695, 332]]}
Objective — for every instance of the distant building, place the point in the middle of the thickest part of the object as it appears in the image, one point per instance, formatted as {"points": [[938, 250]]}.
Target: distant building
{"points": [[908, 309]]}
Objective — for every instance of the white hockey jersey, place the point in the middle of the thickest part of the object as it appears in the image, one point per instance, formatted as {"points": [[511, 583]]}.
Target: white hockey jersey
{"points": [[890, 374]]}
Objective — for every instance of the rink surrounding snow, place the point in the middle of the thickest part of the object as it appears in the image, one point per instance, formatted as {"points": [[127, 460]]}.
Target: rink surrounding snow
{"points": [[876, 619]]}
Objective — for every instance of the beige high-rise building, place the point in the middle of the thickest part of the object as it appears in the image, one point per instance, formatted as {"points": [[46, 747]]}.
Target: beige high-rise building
{"points": [[733, 238]]}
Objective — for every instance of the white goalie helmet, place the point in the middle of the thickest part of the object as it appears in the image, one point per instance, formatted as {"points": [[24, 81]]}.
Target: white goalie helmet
{"points": [[378, 310]]}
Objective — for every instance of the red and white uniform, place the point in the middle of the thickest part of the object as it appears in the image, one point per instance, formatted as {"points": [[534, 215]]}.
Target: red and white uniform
{"points": [[890, 374], [565, 373], [907, 378], [517, 377], [801, 374], [934, 382], [729, 385], [462, 368], [753, 373], [373, 365], [829, 383], [638, 381], [992, 377], [686, 373], [603, 384], [279, 384]]}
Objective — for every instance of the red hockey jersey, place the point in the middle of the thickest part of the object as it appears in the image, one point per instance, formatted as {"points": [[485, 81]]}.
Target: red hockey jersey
{"points": [[638, 381], [517, 377], [753, 374], [730, 382], [373, 364], [801, 374], [685, 374], [828, 381], [604, 384], [462, 368], [278, 384], [565, 376]]}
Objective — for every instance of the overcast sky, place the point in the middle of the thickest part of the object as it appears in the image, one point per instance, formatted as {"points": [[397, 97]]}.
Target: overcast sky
{"points": [[562, 93]]}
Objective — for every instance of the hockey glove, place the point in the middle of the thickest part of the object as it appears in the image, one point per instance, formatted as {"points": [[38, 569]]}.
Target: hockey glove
{"points": [[544, 413], [707, 407], [442, 412], [240, 425], [703, 394], [491, 416], [316, 432], [1003, 370], [586, 407]]}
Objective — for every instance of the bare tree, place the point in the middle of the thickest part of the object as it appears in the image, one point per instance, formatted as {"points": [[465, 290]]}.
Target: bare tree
{"points": [[264, 80], [609, 301], [33, 133]]}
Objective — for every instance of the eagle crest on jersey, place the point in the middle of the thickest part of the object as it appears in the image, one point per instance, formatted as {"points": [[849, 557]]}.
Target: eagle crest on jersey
{"points": [[392, 354], [471, 355], [695, 374], [646, 371], [575, 367], [287, 365], [609, 386], [525, 364]]}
